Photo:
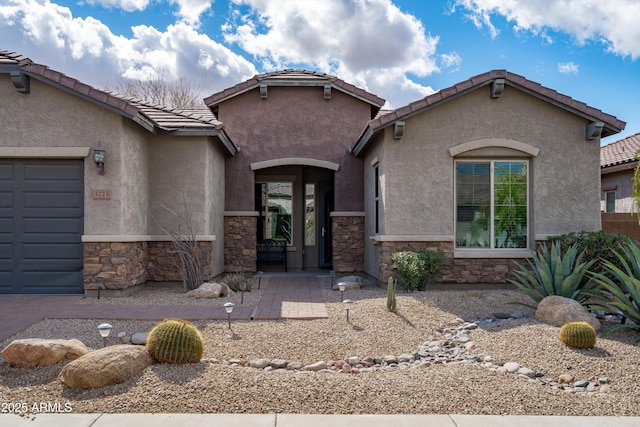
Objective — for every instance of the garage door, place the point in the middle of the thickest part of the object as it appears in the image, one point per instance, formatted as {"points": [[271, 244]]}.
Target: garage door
{"points": [[41, 224]]}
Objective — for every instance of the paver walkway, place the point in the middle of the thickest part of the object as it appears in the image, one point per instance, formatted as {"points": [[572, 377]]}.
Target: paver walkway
{"points": [[296, 297]]}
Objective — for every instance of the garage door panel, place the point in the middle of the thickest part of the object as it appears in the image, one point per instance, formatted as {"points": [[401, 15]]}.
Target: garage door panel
{"points": [[6, 172], [43, 252], [41, 225], [6, 199], [53, 226], [52, 200], [39, 282], [51, 172]]}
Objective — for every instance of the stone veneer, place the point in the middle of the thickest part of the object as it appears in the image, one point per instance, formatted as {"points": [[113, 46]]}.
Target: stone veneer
{"points": [[348, 243], [240, 243], [120, 265], [116, 265], [165, 265], [457, 270]]}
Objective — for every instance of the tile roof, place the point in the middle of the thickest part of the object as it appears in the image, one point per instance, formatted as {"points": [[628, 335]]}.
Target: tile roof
{"points": [[612, 125], [291, 76], [619, 152], [151, 116]]}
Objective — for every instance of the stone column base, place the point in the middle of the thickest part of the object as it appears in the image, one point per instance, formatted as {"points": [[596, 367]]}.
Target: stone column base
{"points": [[240, 243], [347, 242]]}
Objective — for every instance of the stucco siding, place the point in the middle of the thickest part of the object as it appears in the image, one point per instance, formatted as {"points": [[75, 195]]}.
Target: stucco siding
{"points": [[214, 204], [49, 117], [564, 176], [622, 183], [374, 157], [294, 122]]}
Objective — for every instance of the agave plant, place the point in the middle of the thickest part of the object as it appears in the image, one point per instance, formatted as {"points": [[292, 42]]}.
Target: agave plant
{"points": [[552, 273], [624, 285]]}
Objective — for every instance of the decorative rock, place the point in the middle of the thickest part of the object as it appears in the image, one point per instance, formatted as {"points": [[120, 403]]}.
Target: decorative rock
{"points": [[209, 290], [259, 363], [278, 363], [556, 311], [605, 388], [501, 315], [471, 345], [318, 366], [511, 367], [517, 315], [32, 352], [139, 338], [603, 380], [527, 372], [107, 366], [346, 368], [470, 327], [406, 358], [581, 383], [390, 359], [353, 361], [566, 379], [294, 366]]}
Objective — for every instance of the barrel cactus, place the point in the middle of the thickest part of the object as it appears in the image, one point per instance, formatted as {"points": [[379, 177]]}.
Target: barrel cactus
{"points": [[578, 335], [175, 341]]}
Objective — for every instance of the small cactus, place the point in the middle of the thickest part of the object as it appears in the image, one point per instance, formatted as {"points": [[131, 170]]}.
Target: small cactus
{"points": [[391, 295], [175, 341], [578, 335]]}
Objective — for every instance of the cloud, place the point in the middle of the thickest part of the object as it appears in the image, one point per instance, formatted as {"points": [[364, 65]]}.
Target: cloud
{"points": [[613, 23], [190, 10], [127, 5], [363, 42], [568, 68], [87, 49]]}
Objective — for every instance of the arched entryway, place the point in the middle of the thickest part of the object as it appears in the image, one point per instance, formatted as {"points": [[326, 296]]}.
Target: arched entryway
{"points": [[294, 203]]}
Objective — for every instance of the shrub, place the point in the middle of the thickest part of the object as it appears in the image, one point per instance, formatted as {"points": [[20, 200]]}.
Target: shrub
{"points": [[417, 269], [233, 280], [596, 245], [555, 274], [578, 335], [175, 341], [623, 284]]}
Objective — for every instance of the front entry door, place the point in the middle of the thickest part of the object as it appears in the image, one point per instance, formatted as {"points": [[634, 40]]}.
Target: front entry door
{"points": [[325, 256]]}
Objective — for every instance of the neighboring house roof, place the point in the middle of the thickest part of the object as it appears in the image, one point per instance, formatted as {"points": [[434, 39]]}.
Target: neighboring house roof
{"points": [[611, 124], [292, 77], [155, 118], [620, 154]]}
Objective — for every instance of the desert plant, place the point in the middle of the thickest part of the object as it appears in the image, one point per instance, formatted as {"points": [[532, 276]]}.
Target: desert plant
{"points": [[175, 341], [578, 335], [417, 269], [595, 245], [186, 247], [391, 295], [233, 280], [623, 284], [552, 273]]}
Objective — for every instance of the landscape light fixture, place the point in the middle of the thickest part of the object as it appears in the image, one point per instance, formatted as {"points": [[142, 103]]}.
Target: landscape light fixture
{"points": [[105, 330], [348, 303], [342, 286], [99, 157], [229, 308]]}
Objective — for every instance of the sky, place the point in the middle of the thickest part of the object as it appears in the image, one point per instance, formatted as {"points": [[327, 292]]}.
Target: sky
{"points": [[400, 50]]}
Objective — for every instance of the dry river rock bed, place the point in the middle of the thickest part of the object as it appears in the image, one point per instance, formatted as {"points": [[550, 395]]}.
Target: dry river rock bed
{"points": [[372, 331]]}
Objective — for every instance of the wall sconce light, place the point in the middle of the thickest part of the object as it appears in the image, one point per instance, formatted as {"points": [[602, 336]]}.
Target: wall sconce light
{"points": [[99, 157]]}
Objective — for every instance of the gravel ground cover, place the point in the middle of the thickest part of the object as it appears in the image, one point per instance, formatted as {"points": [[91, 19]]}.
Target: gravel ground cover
{"points": [[217, 385]]}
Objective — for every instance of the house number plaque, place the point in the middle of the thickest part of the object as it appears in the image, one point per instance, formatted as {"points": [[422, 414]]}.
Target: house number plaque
{"points": [[102, 194]]}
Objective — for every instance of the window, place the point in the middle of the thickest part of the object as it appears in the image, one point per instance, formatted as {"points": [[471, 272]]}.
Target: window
{"points": [[276, 211], [310, 215], [611, 201], [491, 204]]}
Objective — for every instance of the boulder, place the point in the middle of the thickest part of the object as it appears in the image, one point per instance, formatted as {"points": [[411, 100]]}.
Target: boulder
{"points": [[556, 311], [139, 338], [32, 352], [350, 282], [209, 290], [107, 366]]}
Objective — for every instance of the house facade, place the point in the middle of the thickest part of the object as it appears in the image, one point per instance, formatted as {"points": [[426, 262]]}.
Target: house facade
{"points": [[483, 171], [617, 166]]}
